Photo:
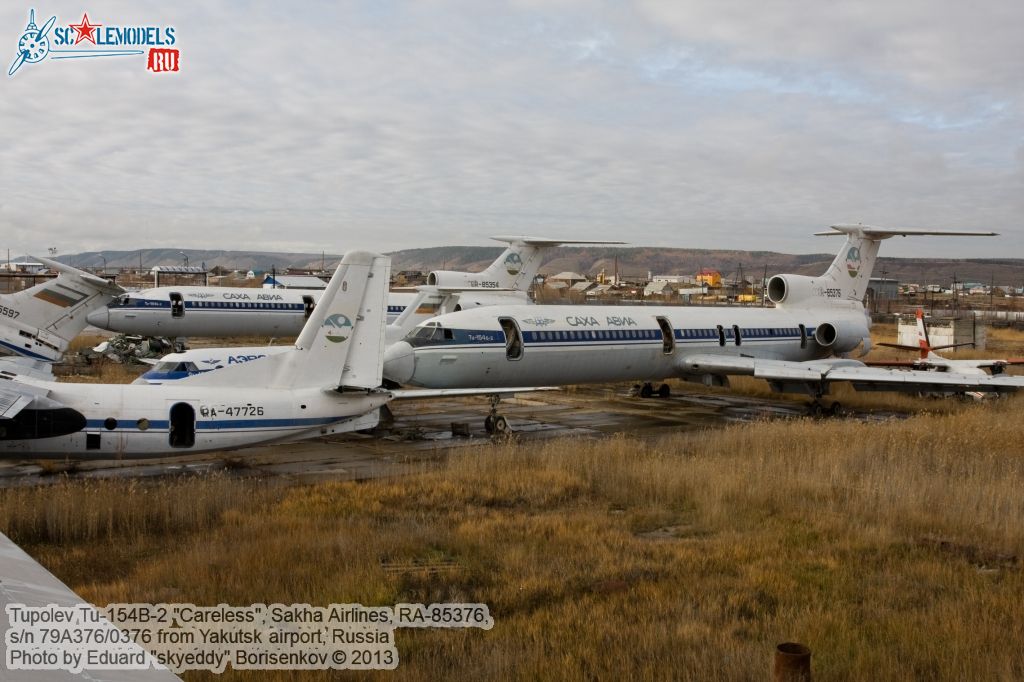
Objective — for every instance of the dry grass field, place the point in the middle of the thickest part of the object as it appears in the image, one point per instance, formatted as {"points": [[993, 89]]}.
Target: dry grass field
{"points": [[892, 550]]}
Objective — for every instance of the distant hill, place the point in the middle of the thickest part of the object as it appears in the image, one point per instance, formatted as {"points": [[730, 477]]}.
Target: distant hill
{"points": [[633, 261]]}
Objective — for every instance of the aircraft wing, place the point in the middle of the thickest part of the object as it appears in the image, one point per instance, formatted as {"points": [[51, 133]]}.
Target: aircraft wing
{"points": [[896, 363], [418, 393], [28, 583], [862, 377], [19, 365], [813, 370], [13, 400], [881, 379]]}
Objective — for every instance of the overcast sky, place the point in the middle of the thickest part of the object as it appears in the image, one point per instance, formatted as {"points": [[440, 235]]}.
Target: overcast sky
{"points": [[387, 125]]}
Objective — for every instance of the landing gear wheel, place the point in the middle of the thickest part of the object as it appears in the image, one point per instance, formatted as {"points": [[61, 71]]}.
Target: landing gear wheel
{"points": [[489, 424], [836, 409], [664, 391], [501, 425], [646, 391], [816, 410]]}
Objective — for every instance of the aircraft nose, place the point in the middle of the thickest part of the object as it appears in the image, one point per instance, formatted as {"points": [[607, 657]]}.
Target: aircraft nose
{"points": [[99, 318], [399, 362]]}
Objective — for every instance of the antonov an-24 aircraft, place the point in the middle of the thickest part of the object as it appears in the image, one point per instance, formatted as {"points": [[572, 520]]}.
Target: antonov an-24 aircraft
{"points": [[181, 312], [327, 383], [794, 346]]}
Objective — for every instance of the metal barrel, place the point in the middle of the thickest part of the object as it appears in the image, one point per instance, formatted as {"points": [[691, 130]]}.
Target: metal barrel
{"points": [[792, 663]]}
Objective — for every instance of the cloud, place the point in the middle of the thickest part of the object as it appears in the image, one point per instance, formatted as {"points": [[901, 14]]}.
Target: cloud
{"points": [[392, 125]]}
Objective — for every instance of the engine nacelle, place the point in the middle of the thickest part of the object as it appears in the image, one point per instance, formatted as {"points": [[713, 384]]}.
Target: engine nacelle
{"points": [[790, 288], [842, 336], [444, 279]]}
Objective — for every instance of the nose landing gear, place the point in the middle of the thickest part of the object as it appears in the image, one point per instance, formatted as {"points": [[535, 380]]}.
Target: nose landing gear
{"points": [[494, 422], [647, 390]]}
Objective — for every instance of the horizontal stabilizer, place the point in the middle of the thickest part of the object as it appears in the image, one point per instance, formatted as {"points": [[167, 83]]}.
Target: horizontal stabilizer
{"points": [[543, 241], [885, 232], [100, 282]]}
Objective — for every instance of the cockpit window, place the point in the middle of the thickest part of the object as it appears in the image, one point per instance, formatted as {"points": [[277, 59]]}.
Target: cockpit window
{"points": [[175, 366], [429, 335]]}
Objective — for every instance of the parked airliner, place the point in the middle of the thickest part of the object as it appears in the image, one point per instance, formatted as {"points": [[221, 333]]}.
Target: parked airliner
{"points": [[190, 311], [797, 346], [327, 383]]}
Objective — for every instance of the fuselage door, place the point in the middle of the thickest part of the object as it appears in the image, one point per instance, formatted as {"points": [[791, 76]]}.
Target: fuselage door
{"points": [[737, 339], [721, 335], [307, 306], [181, 432], [513, 338], [668, 336], [803, 336], [177, 305]]}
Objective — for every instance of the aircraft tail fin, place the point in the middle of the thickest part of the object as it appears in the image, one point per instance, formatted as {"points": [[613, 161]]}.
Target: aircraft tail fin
{"points": [[514, 269], [847, 278], [851, 270], [40, 322], [341, 344]]}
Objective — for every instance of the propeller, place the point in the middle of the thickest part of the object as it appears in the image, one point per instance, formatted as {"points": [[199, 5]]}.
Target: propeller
{"points": [[18, 62], [46, 27], [40, 34]]}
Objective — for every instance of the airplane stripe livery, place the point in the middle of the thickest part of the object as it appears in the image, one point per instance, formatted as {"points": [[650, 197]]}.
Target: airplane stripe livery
{"points": [[801, 344], [327, 383], [192, 311]]}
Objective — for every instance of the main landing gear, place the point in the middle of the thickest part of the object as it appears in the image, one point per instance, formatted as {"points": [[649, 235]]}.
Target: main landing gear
{"points": [[817, 409], [647, 390], [494, 422]]}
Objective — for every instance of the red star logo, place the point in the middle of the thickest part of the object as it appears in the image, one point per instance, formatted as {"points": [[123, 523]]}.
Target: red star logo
{"points": [[85, 30]]}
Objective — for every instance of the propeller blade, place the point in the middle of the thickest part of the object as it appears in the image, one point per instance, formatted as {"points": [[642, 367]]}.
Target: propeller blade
{"points": [[18, 62], [46, 27]]}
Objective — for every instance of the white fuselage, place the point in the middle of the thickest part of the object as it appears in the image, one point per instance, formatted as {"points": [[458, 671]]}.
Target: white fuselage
{"points": [[218, 311], [149, 421], [583, 344]]}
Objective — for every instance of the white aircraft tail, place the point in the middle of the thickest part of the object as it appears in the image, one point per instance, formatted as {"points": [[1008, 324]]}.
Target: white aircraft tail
{"points": [[41, 321], [514, 269], [341, 344], [846, 280], [428, 303]]}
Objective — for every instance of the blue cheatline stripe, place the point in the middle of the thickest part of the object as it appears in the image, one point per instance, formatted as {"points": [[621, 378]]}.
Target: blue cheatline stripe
{"points": [[221, 306], [27, 353], [266, 423], [218, 425], [126, 424]]}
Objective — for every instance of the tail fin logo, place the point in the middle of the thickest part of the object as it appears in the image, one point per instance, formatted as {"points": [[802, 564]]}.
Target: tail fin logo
{"points": [[338, 323], [853, 261], [513, 264]]}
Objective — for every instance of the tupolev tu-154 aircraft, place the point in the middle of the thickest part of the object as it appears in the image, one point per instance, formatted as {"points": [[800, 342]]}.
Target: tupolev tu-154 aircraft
{"points": [[796, 346], [327, 383], [181, 312]]}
